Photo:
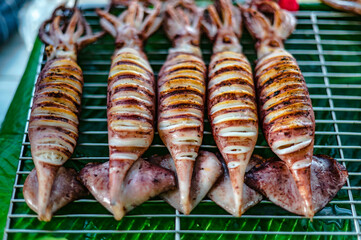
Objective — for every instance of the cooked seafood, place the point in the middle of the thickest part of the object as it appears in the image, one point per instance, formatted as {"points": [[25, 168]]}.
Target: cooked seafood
{"points": [[207, 170], [274, 180], [181, 93], [131, 93], [54, 119], [143, 181], [232, 108], [66, 188], [345, 5], [285, 106], [223, 188]]}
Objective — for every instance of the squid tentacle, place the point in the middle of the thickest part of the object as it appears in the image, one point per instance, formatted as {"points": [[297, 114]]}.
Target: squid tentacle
{"points": [[220, 26], [65, 37], [269, 35], [133, 25]]}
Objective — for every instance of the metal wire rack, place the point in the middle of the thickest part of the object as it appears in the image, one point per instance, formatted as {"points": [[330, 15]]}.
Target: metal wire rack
{"points": [[327, 46]]}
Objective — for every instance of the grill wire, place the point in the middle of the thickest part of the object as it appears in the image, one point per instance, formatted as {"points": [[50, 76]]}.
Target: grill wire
{"points": [[327, 46]]}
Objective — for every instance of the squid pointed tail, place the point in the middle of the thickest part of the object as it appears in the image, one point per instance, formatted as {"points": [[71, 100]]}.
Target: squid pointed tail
{"points": [[46, 174]]}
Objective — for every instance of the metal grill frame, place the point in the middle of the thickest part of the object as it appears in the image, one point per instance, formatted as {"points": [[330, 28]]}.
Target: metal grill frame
{"points": [[314, 21]]}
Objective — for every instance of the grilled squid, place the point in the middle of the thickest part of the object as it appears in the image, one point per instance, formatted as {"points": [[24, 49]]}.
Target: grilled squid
{"points": [[54, 119], [232, 108], [285, 107], [181, 93], [131, 94], [345, 5]]}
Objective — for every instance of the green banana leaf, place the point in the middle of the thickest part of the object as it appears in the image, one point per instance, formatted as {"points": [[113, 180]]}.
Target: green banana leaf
{"points": [[87, 219]]}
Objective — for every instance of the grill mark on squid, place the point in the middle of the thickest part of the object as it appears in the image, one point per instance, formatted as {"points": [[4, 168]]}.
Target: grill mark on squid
{"points": [[62, 75], [132, 63], [231, 81], [51, 98], [223, 59], [130, 125], [180, 91], [235, 67], [184, 106], [288, 76], [43, 104], [186, 66], [140, 89], [63, 85], [231, 96], [294, 102], [69, 133], [240, 102], [182, 75], [129, 116], [56, 95], [129, 75], [183, 115], [54, 118]]}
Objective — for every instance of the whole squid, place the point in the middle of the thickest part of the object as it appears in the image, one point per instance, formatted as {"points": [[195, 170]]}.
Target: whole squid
{"points": [[131, 93], [232, 108], [181, 93], [285, 106], [54, 119]]}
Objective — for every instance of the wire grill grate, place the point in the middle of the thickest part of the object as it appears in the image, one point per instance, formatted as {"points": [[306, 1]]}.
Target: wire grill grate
{"points": [[328, 51]]}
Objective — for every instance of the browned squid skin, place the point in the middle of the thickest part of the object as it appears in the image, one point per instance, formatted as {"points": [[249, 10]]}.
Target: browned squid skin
{"points": [[353, 6], [181, 93], [131, 94], [207, 169], [66, 189], [274, 180], [285, 106], [54, 119], [143, 181], [232, 108]]}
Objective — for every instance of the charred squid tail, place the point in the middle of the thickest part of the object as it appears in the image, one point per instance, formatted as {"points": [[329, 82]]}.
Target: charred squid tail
{"points": [[117, 172], [301, 172], [46, 174], [184, 173], [237, 179]]}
